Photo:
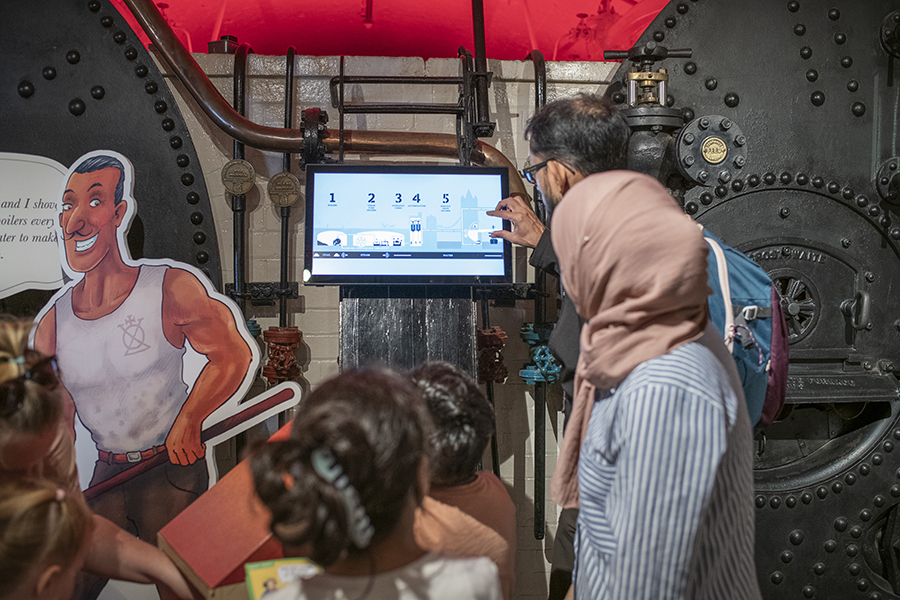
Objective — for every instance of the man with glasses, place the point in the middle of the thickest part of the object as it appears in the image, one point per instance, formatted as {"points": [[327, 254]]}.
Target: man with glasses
{"points": [[602, 144]]}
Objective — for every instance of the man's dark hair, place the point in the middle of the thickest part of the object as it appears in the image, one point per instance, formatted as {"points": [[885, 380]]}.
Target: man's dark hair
{"points": [[586, 133], [463, 421], [98, 163]]}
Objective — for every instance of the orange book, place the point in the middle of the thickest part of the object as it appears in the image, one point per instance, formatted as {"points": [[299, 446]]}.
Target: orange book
{"points": [[226, 527]]}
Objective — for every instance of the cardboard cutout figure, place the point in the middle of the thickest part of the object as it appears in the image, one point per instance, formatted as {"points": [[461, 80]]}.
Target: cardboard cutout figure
{"points": [[120, 331]]}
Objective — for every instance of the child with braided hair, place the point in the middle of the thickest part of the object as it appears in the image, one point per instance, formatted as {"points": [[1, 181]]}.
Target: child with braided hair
{"points": [[343, 491], [44, 539]]}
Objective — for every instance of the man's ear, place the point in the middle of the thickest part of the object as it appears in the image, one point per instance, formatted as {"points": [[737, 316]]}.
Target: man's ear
{"points": [[559, 176], [423, 479], [46, 580], [121, 209]]}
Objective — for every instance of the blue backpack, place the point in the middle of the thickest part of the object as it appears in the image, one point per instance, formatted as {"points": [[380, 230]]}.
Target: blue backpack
{"points": [[745, 308]]}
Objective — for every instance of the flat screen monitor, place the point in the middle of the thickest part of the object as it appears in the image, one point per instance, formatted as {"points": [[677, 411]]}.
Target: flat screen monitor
{"points": [[395, 224]]}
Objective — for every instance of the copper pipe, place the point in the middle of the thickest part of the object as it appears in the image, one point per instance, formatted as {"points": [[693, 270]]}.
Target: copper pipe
{"points": [[422, 144], [186, 69], [277, 139]]}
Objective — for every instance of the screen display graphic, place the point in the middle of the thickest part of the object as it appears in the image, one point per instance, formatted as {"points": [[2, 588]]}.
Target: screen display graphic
{"points": [[374, 224]]}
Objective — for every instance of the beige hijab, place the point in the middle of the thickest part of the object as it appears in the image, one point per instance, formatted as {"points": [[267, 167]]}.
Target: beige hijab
{"points": [[635, 268]]}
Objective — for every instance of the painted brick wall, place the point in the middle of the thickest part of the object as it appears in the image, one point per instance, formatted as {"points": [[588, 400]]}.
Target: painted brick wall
{"points": [[316, 311]]}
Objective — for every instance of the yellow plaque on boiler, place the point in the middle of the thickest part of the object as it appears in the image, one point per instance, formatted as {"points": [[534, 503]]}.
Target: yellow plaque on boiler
{"points": [[714, 150]]}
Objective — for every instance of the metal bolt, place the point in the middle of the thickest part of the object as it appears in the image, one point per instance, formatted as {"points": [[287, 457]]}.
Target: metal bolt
{"points": [[704, 123], [689, 138], [785, 251], [867, 365], [740, 140], [886, 366], [785, 212], [870, 276], [688, 160], [845, 243], [724, 176], [725, 124], [703, 176], [77, 107], [26, 89], [869, 326]]}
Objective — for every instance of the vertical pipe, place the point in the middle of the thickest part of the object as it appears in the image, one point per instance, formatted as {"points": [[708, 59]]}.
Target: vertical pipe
{"points": [[481, 82], [489, 386], [239, 201], [464, 123], [286, 166], [540, 322], [341, 115]]}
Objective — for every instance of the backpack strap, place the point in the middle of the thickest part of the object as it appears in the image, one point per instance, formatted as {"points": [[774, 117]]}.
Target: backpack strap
{"points": [[752, 311], [722, 267], [745, 314]]}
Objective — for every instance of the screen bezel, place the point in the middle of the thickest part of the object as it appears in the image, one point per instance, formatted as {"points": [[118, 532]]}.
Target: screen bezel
{"points": [[467, 280]]}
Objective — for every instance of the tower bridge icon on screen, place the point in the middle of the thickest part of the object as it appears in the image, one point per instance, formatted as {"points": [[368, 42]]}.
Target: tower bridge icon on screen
{"points": [[331, 238], [378, 239]]}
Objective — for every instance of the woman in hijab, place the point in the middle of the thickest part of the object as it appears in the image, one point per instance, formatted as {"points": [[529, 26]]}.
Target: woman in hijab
{"points": [[658, 448]]}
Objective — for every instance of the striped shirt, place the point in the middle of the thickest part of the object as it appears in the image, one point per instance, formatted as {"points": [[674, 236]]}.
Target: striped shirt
{"points": [[666, 486]]}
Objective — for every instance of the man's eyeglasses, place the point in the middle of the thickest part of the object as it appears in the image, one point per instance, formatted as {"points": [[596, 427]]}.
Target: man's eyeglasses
{"points": [[12, 393], [530, 171]]}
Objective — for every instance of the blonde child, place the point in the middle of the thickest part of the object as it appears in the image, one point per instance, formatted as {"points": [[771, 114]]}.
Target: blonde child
{"points": [[44, 539], [36, 420]]}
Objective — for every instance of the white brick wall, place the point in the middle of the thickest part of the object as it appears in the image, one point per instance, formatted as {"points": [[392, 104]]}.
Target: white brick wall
{"points": [[316, 311]]}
